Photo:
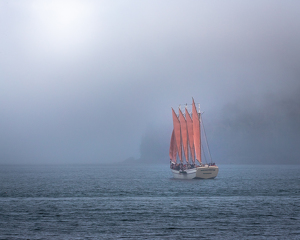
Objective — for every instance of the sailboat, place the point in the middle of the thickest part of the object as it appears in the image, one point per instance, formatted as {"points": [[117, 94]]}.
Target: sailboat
{"points": [[186, 147]]}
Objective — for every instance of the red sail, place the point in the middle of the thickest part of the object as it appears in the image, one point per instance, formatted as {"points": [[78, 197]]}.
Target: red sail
{"points": [[184, 135], [190, 134], [197, 133], [176, 125], [173, 148]]}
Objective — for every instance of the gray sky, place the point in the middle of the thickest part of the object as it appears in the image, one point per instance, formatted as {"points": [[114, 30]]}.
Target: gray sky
{"points": [[94, 81]]}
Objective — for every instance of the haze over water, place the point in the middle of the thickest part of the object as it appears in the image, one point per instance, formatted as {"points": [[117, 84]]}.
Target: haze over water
{"points": [[94, 81]]}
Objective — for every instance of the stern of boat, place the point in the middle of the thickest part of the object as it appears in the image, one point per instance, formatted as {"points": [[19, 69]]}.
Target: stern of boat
{"points": [[207, 172]]}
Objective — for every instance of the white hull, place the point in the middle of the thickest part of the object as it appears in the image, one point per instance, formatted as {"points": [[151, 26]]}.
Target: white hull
{"points": [[207, 172], [186, 174]]}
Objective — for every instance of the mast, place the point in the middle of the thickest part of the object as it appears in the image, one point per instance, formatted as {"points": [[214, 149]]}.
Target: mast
{"points": [[176, 125], [197, 133], [184, 135]]}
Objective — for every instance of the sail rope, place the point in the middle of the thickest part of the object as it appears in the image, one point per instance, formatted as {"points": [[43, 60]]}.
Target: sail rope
{"points": [[203, 153], [205, 139]]}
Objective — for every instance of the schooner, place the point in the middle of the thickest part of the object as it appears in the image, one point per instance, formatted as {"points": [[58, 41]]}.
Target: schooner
{"points": [[186, 147]]}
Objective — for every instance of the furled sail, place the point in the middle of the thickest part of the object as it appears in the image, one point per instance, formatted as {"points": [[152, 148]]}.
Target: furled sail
{"points": [[197, 133], [173, 148], [190, 134], [176, 125], [184, 135]]}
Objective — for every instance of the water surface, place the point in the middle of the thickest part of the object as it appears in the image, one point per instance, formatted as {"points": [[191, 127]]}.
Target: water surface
{"points": [[144, 201]]}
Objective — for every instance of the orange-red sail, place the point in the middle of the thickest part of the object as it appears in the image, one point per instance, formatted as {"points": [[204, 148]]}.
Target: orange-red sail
{"points": [[173, 148], [197, 133], [176, 125], [184, 135], [190, 134]]}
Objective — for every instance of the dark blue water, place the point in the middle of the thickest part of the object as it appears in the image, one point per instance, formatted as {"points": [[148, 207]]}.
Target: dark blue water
{"points": [[144, 202]]}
